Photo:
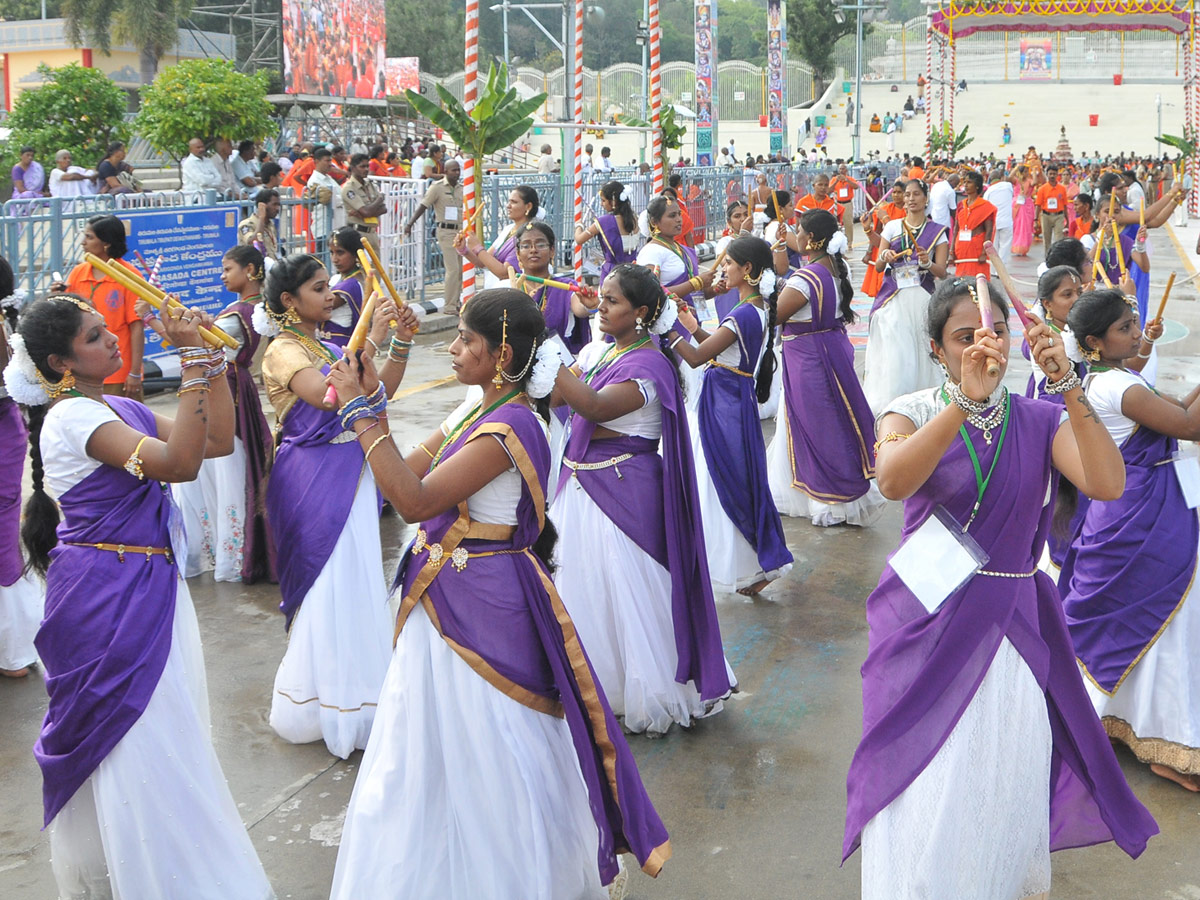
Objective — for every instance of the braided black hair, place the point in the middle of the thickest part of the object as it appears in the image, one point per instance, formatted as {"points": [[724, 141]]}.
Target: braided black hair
{"points": [[755, 252], [820, 225]]}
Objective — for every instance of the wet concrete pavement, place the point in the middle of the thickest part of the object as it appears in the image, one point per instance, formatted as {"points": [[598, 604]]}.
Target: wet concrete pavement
{"points": [[754, 797]]}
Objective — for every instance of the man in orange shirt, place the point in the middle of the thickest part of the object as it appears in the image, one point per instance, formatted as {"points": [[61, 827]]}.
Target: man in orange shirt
{"points": [[917, 169], [1051, 200], [819, 198], [843, 188]]}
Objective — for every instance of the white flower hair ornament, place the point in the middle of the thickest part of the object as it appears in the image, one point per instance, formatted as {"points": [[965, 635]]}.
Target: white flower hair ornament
{"points": [[15, 300], [624, 195], [551, 355], [667, 318], [766, 283], [264, 323], [21, 376], [837, 244]]}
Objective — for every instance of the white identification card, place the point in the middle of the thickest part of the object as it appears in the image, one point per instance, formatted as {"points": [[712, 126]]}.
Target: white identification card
{"points": [[937, 559], [965, 234], [907, 276], [450, 214], [1020, 200], [1187, 470], [1051, 203]]}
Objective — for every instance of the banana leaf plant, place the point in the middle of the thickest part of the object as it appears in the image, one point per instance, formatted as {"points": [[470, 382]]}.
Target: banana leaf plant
{"points": [[944, 140], [499, 118], [672, 131]]}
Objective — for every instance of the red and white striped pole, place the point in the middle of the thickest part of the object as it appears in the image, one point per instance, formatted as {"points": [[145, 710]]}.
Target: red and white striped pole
{"points": [[470, 94], [928, 80], [577, 257], [656, 95]]}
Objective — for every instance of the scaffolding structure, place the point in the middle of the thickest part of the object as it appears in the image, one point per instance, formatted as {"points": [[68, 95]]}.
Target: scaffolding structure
{"points": [[256, 27]]}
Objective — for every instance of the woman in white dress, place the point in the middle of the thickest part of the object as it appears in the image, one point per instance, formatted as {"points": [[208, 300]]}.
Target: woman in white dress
{"points": [[634, 575], [495, 259], [135, 801], [1135, 628], [492, 739], [216, 506], [324, 512], [914, 253]]}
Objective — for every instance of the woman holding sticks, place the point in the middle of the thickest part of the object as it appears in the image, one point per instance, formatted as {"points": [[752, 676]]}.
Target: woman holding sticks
{"points": [[617, 228], [737, 223], [495, 260], [1135, 627], [978, 743], [324, 512], [884, 211], [786, 249], [567, 312], [351, 291], [135, 800], [224, 508], [743, 534], [634, 575], [820, 462], [913, 253], [496, 768], [1130, 220]]}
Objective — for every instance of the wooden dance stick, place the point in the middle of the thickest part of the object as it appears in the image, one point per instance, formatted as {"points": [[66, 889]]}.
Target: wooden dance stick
{"points": [[984, 298], [1014, 295], [155, 296], [721, 257], [358, 337], [1120, 251], [1167, 293], [1142, 213], [371, 268], [550, 282], [381, 272]]}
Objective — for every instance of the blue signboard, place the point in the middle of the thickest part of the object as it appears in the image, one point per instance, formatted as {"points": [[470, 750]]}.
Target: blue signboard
{"points": [[191, 242]]}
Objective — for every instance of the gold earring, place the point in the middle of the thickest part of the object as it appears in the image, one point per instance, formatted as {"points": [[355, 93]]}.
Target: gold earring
{"points": [[498, 378], [291, 317], [1092, 356], [55, 389]]}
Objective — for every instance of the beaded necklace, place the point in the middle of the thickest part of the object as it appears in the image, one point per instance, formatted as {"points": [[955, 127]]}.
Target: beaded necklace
{"points": [[312, 346]]}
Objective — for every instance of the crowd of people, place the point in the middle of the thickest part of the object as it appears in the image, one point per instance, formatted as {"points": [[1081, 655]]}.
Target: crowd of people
{"points": [[1010, 639]]}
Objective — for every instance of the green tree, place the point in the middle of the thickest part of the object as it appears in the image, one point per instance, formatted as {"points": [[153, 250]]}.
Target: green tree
{"points": [[497, 120], [430, 29], [812, 30], [205, 98], [20, 10], [76, 109], [152, 26]]}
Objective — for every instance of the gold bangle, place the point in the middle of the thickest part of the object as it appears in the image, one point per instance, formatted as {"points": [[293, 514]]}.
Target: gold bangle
{"points": [[889, 438], [374, 444], [133, 465], [199, 387], [426, 449]]}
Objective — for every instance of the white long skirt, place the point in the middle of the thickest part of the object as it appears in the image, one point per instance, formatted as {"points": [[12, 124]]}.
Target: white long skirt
{"points": [[976, 821], [22, 605], [791, 501], [464, 793], [1156, 710], [156, 818], [214, 513], [732, 561], [897, 361], [620, 600], [327, 684]]}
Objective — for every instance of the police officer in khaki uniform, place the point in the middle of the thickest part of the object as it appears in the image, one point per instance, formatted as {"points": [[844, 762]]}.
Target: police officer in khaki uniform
{"points": [[363, 202], [445, 198]]}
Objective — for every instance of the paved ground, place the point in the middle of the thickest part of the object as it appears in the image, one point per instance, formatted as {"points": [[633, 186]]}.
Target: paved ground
{"points": [[754, 798]]}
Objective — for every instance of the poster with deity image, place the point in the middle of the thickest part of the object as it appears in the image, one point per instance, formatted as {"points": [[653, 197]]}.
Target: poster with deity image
{"points": [[777, 73], [1037, 59], [706, 69]]}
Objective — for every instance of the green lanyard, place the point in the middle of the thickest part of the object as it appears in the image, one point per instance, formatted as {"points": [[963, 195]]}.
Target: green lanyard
{"points": [[981, 483], [470, 419], [610, 357]]}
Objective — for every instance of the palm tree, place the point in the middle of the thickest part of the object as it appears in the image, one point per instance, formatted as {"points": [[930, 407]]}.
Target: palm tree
{"points": [[498, 119], [150, 25]]}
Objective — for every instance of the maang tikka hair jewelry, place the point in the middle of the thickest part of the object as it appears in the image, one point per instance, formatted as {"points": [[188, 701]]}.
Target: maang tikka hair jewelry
{"points": [[498, 378]]}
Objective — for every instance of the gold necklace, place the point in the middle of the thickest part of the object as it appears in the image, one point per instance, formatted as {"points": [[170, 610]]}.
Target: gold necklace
{"points": [[316, 348]]}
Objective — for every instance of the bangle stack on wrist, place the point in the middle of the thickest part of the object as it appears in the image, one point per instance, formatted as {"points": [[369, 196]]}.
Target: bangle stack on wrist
{"points": [[217, 363], [963, 402], [373, 407], [193, 384], [398, 350], [190, 357], [1068, 382]]}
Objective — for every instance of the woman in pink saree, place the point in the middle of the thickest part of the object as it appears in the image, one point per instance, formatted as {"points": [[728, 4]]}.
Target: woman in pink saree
{"points": [[1023, 210]]}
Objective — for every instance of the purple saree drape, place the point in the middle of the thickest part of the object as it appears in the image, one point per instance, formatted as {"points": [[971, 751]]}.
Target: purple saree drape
{"points": [[922, 668], [653, 500], [926, 237], [349, 290], [309, 496], [731, 435], [555, 304], [106, 633], [613, 243], [1131, 564], [494, 602], [250, 425], [830, 427], [14, 440]]}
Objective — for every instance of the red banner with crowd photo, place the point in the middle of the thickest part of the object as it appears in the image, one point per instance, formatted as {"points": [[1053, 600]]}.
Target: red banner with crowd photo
{"points": [[335, 48]]}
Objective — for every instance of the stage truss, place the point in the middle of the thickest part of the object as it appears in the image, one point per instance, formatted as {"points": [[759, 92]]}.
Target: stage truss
{"points": [[951, 20], [255, 25]]}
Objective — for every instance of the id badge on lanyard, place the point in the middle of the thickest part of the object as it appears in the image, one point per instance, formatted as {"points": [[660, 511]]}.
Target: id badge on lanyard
{"points": [[907, 276], [937, 559]]}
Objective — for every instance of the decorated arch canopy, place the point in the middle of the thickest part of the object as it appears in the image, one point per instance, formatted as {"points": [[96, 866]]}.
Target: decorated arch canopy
{"points": [[960, 18]]}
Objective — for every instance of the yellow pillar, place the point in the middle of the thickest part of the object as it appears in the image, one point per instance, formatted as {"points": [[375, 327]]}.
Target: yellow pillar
{"points": [[1122, 53], [1006, 56], [1058, 52], [904, 52]]}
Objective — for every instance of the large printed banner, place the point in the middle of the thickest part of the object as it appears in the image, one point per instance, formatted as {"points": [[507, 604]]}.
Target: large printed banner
{"points": [[1037, 59], [334, 48], [403, 74], [191, 242], [776, 73], [706, 66]]}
